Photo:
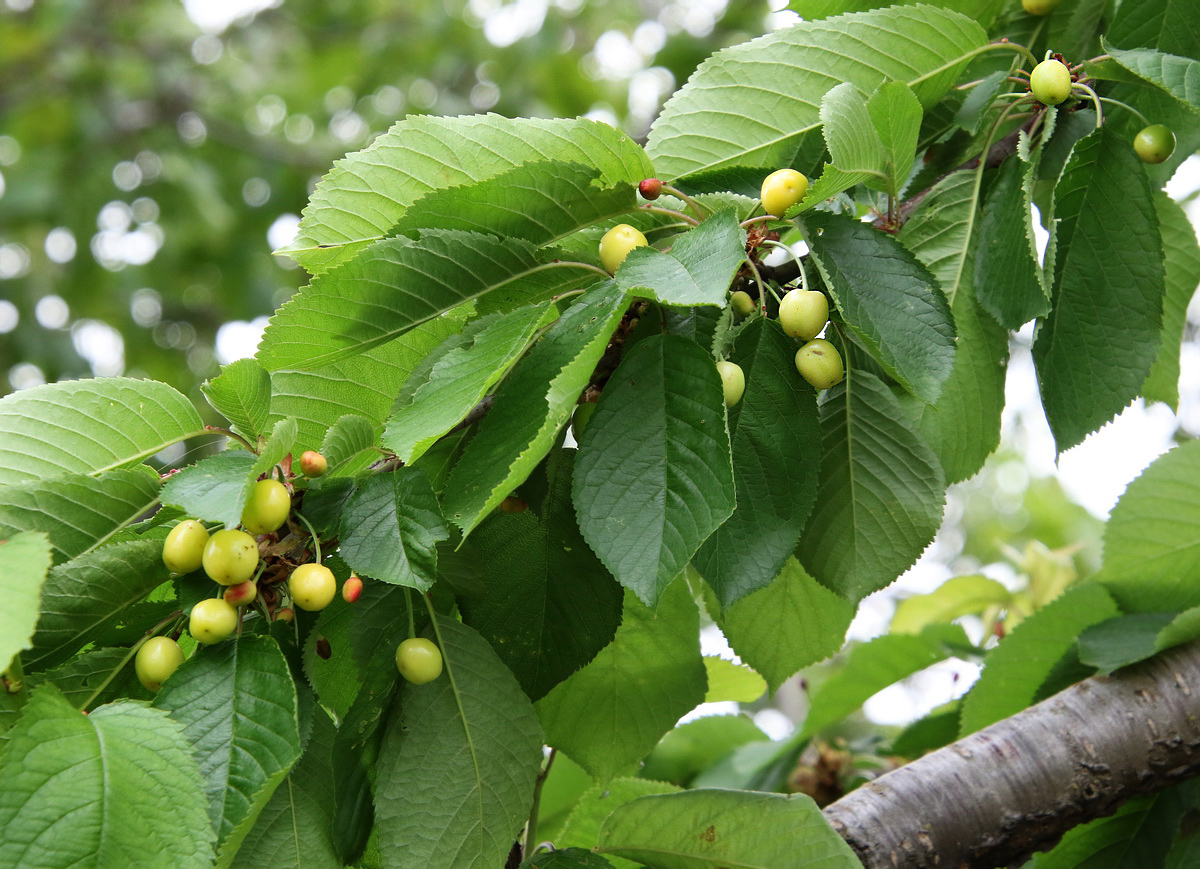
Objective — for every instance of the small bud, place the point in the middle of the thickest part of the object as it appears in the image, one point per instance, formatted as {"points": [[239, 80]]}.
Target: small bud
{"points": [[351, 589], [650, 188], [313, 464], [241, 594]]}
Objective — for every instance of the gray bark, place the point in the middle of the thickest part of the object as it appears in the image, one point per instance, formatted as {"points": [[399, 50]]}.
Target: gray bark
{"points": [[1009, 790]]}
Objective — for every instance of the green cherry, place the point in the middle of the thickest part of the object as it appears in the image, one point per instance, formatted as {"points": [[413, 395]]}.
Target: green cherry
{"points": [[781, 190], [1155, 143], [183, 550], [419, 660], [733, 381], [617, 243], [1050, 82]]}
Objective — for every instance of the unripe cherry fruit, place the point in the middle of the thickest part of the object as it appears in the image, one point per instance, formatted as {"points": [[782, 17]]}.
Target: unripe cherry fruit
{"points": [[212, 620], [803, 313], [650, 188], [351, 589], [241, 594], [733, 381], [183, 550], [1050, 82], [267, 507], [284, 614], [313, 464], [741, 303], [1155, 143], [1039, 7], [820, 363], [782, 189], [156, 660], [419, 660], [230, 556], [312, 586], [617, 243]]}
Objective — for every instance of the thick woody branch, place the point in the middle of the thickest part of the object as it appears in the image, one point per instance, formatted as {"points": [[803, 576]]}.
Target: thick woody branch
{"points": [[1009, 790]]}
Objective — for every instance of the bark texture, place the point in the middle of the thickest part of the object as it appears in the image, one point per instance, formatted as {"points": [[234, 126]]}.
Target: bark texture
{"points": [[1009, 790]]}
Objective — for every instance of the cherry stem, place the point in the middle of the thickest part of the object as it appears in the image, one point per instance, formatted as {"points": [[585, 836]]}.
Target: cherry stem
{"points": [[229, 433], [1144, 119], [412, 622], [700, 210], [312, 531], [799, 262], [670, 212], [762, 218], [1091, 94], [176, 616], [763, 286], [531, 826], [578, 265]]}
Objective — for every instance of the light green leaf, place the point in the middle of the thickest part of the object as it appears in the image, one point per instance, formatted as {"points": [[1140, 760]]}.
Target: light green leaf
{"points": [[654, 476], [214, 489], [369, 191], [1014, 670], [983, 11], [237, 704], [347, 439], [337, 678], [958, 596], [699, 744], [1152, 539], [705, 829], [26, 558], [610, 714], [535, 401], [461, 378], [242, 394], [1181, 262], [888, 299], [793, 622], [896, 114], [400, 283], [277, 448], [1178, 76], [881, 492], [363, 385], [91, 592], [1125, 640], [730, 682], [774, 491], [295, 829], [582, 828], [940, 230], [698, 268], [116, 788], [1091, 362], [777, 82], [872, 666], [390, 529], [458, 762], [98, 425]]}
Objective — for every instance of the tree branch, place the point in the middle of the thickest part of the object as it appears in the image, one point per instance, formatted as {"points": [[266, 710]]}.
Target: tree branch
{"points": [[1011, 789]]}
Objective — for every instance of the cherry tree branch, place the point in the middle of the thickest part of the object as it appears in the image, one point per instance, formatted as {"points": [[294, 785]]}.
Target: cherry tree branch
{"points": [[1011, 789]]}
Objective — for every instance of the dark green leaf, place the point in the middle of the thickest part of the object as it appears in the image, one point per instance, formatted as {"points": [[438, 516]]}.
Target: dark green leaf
{"points": [[1181, 263], [1137, 836], [1008, 278], [1123, 640], [566, 858], [347, 439]]}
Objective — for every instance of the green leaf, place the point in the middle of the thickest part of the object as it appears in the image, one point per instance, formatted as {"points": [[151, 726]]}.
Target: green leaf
{"points": [[881, 492], [777, 81], [1178, 76], [775, 484], [983, 11], [79, 513], [277, 447], [347, 439], [608, 715], [242, 394], [730, 682], [237, 703], [1152, 539], [369, 191], [116, 788], [958, 596], [654, 476], [793, 622], [535, 401], [90, 593], [214, 489], [336, 678], [98, 425], [400, 283], [549, 604], [1008, 277], [698, 268], [566, 858], [457, 768], [896, 114], [697, 745], [1139, 834], [1166, 24], [888, 299], [1095, 349], [461, 378], [872, 666], [940, 231], [597, 803], [1181, 263], [539, 202], [1123, 640], [390, 529], [94, 674], [1014, 670], [711, 828], [364, 385], [295, 829], [26, 558]]}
